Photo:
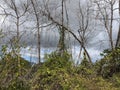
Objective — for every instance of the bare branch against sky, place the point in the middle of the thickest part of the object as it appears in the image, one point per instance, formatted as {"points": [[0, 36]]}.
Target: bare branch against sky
{"points": [[89, 23]]}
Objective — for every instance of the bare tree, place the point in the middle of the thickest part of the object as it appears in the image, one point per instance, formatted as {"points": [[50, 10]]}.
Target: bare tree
{"points": [[62, 31], [37, 16], [82, 30], [84, 19], [105, 9], [16, 11], [118, 36]]}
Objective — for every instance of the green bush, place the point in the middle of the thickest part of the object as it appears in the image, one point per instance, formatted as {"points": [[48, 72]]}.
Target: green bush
{"points": [[110, 63], [56, 74], [11, 75], [57, 79], [18, 84], [55, 59], [85, 68]]}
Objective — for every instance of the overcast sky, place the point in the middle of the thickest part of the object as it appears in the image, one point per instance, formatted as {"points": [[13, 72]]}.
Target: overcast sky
{"points": [[97, 39]]}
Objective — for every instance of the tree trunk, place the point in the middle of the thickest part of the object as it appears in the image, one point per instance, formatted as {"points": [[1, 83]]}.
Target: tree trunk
{"points": [[38, 31], [61, 44], [118, 37]]}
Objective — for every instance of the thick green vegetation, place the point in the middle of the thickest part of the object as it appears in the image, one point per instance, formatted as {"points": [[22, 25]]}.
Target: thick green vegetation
{"points": [[12, 76], [58, 72]]}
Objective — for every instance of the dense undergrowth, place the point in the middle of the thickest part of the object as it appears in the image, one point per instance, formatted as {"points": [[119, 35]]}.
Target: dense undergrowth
{"points": [[58, 72]]}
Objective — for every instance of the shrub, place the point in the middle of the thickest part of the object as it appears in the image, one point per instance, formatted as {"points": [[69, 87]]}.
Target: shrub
{"points": [[54, 60], [110, 63], [56, 74]]}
